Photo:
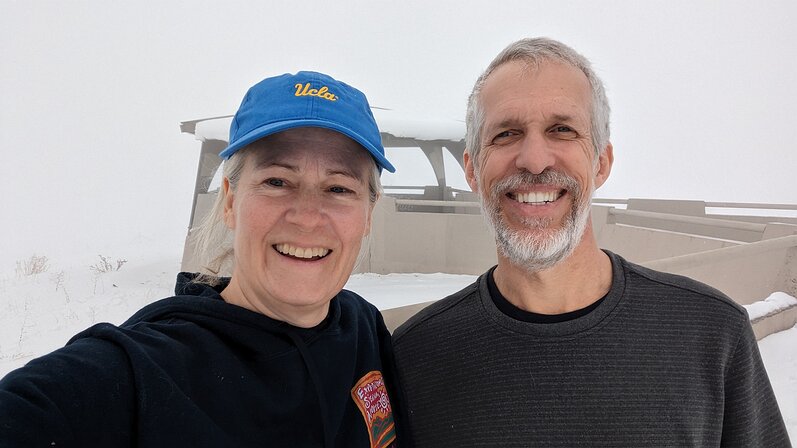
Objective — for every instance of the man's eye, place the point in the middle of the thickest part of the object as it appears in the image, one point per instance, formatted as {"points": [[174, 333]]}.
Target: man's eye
{"points": [[504, 135], [273, 182], [339, 190], [562, 128]]}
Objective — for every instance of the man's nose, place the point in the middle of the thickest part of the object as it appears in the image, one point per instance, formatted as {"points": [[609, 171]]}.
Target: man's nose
{"points": [[535, 154]]}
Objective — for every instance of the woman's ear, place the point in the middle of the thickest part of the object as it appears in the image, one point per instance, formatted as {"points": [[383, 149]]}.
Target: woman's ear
{"points": [[229, 202], [370, 214]]}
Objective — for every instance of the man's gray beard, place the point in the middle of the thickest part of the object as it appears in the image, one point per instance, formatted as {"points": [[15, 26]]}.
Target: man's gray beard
{"points": [[536, 247]]}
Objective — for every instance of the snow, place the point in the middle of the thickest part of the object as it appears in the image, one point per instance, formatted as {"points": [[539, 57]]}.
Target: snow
{"points": [[417, 126], [39, 313], [394, 290], [214, 129], [779, 352], [775, 303]]}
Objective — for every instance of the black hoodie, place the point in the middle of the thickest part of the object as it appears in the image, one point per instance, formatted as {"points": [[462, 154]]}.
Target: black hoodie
{"points": [[193, 370]]}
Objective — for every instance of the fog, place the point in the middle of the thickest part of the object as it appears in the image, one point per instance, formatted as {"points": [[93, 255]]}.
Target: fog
{"points": [[91, 94]]}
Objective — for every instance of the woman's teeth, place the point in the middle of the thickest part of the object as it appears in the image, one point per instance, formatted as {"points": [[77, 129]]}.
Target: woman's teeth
{"points": [[299, 252]]}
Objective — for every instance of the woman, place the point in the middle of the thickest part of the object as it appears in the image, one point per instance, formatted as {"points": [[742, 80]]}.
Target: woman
{"points": [[276, 355]]}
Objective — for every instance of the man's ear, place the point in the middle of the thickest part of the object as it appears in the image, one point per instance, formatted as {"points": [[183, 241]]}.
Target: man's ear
{"points": [[229, 202], [604, 166], [470, 172]]}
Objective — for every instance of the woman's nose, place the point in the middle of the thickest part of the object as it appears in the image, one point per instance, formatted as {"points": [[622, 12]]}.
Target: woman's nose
{"points": [[306, 212]]}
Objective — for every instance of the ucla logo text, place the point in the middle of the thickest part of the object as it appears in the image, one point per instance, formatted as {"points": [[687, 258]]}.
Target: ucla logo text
{"points": [[323, 92]]}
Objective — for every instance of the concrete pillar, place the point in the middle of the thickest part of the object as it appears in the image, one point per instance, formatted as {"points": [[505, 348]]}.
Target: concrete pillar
{"points": [[457, 150], [434, 152], [209, 162]]}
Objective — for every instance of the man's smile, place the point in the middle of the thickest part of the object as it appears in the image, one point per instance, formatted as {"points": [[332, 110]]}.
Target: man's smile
{"points": [[537, 197]]}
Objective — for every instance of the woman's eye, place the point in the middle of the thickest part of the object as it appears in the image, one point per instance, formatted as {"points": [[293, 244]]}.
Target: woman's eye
{"points": [[275, 182]]}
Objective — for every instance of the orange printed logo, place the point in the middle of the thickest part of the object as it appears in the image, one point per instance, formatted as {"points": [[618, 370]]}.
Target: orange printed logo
{"points": [[371, 397], [323, 92]]}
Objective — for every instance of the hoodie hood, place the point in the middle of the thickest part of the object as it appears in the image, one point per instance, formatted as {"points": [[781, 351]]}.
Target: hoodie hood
{"points": [[203, 305]]}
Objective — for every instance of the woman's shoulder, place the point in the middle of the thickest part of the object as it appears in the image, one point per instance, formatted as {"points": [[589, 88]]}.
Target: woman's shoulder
{"points": [[356, 309], [355, 302]]}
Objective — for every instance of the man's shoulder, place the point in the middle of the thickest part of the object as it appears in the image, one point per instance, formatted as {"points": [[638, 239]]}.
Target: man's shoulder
{"points": [[448, 308], [666, 284]]}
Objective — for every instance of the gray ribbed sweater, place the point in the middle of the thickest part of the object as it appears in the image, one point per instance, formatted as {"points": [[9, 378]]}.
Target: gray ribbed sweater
{"points": [[663, 361]]}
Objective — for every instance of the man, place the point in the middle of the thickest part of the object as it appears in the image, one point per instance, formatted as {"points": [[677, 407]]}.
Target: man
{"points": [[563, 344]]}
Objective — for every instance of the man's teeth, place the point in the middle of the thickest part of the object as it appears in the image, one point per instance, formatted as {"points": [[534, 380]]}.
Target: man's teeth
{"points": [[299, 252], [537, 197]]}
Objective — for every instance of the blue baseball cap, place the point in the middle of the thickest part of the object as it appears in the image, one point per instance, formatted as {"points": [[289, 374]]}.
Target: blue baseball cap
{"points": [[306, 99]]}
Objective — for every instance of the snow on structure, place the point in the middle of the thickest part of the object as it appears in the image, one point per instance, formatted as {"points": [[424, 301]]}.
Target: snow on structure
{"points": [[775, 303]]}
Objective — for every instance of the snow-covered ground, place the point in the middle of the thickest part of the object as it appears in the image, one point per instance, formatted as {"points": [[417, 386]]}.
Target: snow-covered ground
{"points": [[779, 352], [39, 313]]}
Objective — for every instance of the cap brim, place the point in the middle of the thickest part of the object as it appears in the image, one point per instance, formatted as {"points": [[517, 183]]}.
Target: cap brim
{"points": [[273, 128]]}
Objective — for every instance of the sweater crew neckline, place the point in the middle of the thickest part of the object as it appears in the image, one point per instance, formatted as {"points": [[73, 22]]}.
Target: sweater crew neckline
{"points": [[568, 328]]}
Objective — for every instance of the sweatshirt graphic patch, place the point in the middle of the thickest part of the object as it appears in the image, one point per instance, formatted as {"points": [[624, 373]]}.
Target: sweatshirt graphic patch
{"points": [[371, 397]]}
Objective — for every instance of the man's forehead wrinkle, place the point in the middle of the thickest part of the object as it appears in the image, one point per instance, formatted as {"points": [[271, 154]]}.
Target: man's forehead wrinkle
{"points": [[509, 121], [565, 118], [515, 119]]}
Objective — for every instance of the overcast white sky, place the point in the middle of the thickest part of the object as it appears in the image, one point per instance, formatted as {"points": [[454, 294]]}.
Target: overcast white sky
{"points": [[704, 95]]}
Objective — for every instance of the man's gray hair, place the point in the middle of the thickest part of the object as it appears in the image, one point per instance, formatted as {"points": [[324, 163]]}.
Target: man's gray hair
{"points": [[534, 51]]}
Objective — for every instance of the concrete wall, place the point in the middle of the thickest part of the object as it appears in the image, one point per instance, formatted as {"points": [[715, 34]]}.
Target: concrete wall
{"points": [[426, 242], [640, 244], [689, 224], [747, 273], [461, 243]]}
